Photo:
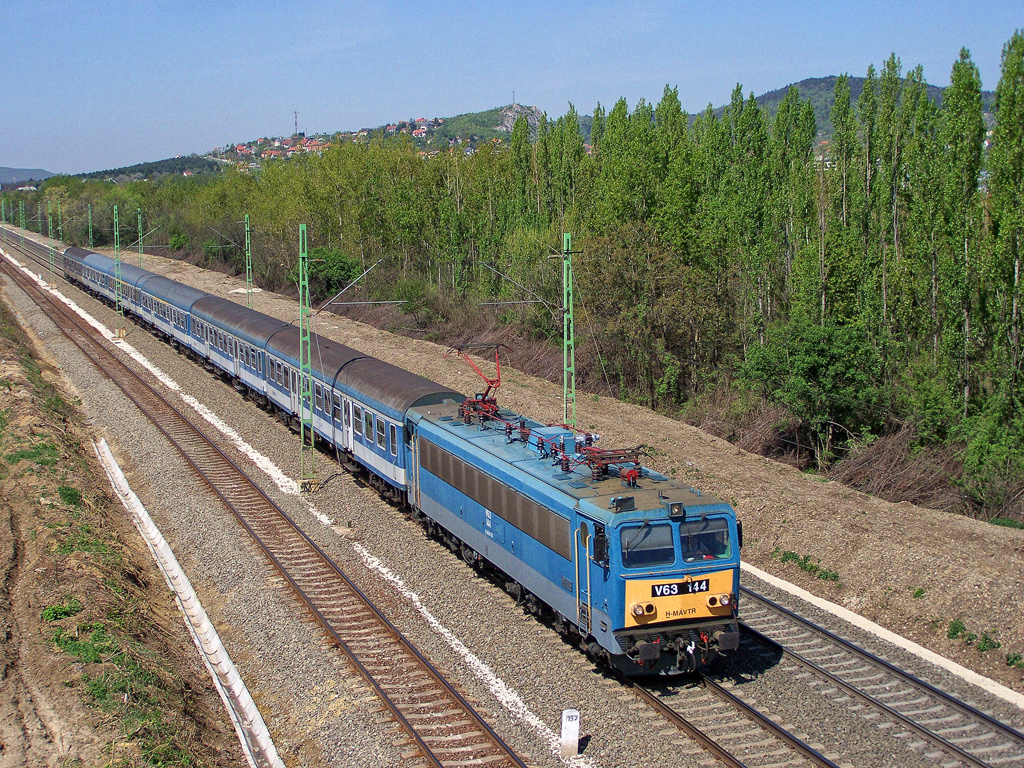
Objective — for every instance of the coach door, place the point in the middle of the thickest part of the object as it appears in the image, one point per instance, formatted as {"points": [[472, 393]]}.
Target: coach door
{"points": [[294, 390], [581, 547], [347, 405]]}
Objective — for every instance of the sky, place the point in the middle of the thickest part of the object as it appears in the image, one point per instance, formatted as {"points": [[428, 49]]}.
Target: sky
{"points": [[92, 85]]}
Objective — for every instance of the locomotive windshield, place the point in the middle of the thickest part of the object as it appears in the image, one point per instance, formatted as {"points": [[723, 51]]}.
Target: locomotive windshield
{"points": [[647, 544], [706, 539]]}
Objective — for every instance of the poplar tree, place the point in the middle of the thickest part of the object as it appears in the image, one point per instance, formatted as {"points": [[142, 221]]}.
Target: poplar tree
{"points": [[961, 137], [1006, 183]]}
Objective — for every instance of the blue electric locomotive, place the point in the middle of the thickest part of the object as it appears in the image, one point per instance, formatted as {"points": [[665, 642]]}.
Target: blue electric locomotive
{"points": [[640, 570]]}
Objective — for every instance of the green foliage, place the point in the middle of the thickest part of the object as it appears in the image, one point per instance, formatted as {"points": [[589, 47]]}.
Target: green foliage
{"points": [[918, 593], [987, 643], [956, 629], [829, 377], [329, 271], [805, 564], [994, 456], [179, 241], [62, 611], [1015, 660], [1007, 522]]}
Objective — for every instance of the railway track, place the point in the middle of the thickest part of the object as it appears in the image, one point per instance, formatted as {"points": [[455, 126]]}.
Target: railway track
{"points": [[945, 728], [442, 728], [743, 737]]}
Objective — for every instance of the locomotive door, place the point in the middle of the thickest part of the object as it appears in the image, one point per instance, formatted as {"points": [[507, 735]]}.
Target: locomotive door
{"points": [[583, 565]]}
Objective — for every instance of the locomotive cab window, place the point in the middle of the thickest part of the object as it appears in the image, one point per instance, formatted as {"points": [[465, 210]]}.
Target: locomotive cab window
{"points": [[646, 545], [706, 539]]}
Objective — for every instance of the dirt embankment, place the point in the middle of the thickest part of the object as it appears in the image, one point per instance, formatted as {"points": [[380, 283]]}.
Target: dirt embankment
{"points": [[97, 666], [912, 569]]}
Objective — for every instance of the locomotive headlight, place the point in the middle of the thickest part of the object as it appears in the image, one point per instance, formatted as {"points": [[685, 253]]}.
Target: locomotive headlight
{"points": [[724, 600], [638, 610]]}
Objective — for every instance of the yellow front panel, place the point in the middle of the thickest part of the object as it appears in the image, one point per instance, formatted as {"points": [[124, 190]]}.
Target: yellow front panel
{"points": [[672, 598]]}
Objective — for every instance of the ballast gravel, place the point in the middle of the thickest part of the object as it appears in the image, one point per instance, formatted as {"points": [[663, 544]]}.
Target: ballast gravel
{"points": [[318, 712]]}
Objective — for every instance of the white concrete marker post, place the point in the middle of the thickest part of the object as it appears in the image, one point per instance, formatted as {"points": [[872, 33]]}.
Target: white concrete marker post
{"points": [[570, 743]]}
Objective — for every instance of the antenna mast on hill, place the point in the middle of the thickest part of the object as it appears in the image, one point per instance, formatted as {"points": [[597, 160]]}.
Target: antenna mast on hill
{"points": [[296, 123]]}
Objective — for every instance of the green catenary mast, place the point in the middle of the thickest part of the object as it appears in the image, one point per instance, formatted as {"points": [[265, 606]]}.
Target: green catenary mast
{"points": [[307, 469], [140, 238], [90, 226], [49, 248], [117, 266], [21, 210], [568, 336], [248, 265]]}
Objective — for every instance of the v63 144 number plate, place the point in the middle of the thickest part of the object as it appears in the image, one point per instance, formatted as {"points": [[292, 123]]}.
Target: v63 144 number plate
{"points": [[679, 588]]}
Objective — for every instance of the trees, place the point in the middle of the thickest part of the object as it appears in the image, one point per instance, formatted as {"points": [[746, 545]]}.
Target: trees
{"points": [[866, 281]]}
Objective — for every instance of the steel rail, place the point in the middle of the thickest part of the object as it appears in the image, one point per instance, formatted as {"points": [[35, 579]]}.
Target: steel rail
{"points": [[686, 726], [768, 724], [84, 338], [952, 749], [947, 698], [743, 709]]}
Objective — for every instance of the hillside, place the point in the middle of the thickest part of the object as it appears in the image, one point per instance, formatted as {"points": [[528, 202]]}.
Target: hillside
{"points": [[11, 175], [188, 166], [819, 91]]}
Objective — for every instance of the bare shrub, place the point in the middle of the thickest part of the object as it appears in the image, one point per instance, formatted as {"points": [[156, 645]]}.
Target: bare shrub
{"points": [[893, 469]]}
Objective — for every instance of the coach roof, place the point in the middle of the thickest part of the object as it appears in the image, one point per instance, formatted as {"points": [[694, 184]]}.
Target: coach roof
{"points": [[248, 324]]}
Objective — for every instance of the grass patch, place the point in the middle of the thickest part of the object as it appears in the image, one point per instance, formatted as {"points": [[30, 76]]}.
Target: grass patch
{"points": [[132, 689], [918, 593], [805, 564], [83, 539], [67, 608], [45, 454], [70, 495], [1015, 660]]}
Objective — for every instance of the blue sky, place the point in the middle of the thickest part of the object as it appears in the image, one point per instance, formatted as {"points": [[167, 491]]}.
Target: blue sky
{"points": [[89, 86]]}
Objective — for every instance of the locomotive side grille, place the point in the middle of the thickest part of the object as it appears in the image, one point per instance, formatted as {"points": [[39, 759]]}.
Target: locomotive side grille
{"points": [[536, 521]]}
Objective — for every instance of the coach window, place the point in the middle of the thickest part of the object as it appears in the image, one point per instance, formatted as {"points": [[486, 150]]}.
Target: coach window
{"points": [[252, 357], [348, 413], [368, 426], [646, 545], [394, 439], [380, 433], [337, 407], [357, 419], [318, 397]]}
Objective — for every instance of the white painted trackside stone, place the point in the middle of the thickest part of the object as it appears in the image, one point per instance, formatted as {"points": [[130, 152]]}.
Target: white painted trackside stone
{"points": [[252, 732], [996, 689]]}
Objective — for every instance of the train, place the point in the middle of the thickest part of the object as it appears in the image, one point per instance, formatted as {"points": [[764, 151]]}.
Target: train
{"points": [[638, 570]]}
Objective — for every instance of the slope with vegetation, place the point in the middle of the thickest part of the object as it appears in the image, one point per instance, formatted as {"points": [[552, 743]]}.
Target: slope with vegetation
{"points": [[858, 313]]}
